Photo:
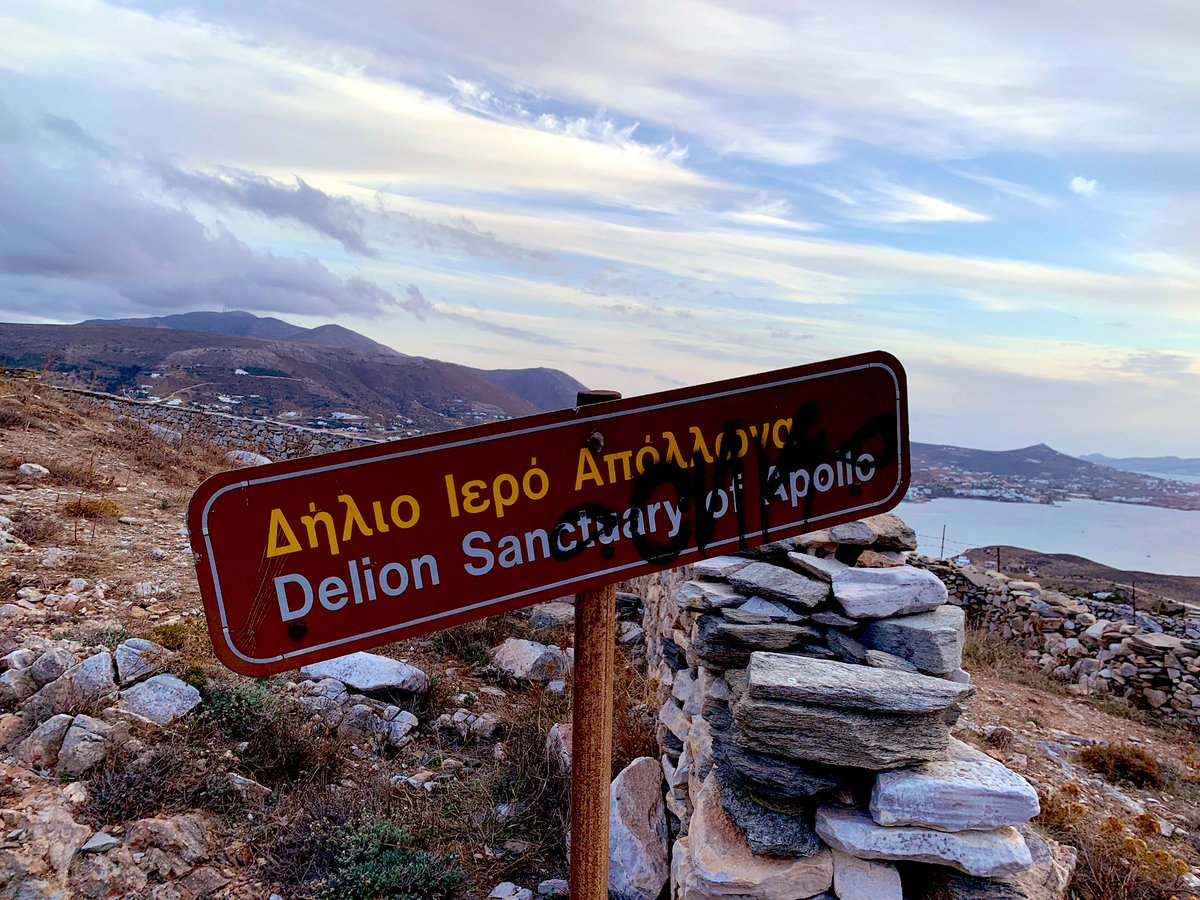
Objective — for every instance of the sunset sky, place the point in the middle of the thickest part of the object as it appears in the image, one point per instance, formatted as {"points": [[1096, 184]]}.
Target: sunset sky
{"points": [[1006, 196]]}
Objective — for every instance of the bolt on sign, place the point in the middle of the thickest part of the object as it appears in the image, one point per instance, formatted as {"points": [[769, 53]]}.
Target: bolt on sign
{"points": [[313, 558]]}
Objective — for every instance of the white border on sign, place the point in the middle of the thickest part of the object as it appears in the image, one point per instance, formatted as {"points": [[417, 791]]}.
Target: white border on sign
{"points": [[508, 434]]}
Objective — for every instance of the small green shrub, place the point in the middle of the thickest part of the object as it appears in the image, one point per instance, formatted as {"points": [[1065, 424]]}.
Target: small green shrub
{"points": [[238, 708], [372, 859], [1123, 762]]}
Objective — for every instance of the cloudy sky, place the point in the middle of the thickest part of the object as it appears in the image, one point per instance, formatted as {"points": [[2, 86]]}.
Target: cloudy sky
{"points": [[1006, 196]]}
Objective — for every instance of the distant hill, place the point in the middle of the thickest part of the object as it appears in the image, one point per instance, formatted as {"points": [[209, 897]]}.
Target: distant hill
{"points": [[254, 375], [1163, 465], [543, 389], [237, 323], [1037, 461]]}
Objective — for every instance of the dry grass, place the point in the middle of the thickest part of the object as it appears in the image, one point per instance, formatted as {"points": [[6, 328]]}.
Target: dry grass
{"points": [[82, 475], [185, 464], [92, 508], [36, 527], [1124, 762], [471, 641], [1113, 862], [985, 651], [634, 695]]}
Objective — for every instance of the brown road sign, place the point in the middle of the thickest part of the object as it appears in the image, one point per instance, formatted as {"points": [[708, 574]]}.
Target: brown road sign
{"points": [[309, 559]]}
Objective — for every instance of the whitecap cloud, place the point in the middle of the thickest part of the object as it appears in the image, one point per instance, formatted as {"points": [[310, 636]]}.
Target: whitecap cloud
{"points": [[1084, 187]]}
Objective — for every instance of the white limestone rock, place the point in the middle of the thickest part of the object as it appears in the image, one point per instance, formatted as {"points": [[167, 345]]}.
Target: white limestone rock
{"points": [[932, 641], [985, 854], [370, 672], [242, 459], [637, 825], [883, 532], [554, 614], [715, 862], [864, 879], [878, 593], [966, 791], [529, 660], [137, 657], [33, 471], [87, 683], [160, 699]]}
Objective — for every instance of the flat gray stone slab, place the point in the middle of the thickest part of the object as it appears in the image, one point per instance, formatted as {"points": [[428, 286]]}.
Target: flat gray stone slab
{"points": [[883, 532], [982, 853], [820, 567], [798, 679], [966, 791], [864, 879], [931, 641], [776, 612], [778, 583], [707, 595], [841, 737], [370, 672], [879, 593], [719, 566]]}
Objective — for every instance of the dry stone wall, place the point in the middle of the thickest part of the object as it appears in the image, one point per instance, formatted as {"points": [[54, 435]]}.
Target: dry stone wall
{"points": [[1102, 648], [807, 690], [276, 440]]}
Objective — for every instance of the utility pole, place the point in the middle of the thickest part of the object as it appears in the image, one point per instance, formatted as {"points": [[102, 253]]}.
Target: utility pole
{"points": [[942, 555]]}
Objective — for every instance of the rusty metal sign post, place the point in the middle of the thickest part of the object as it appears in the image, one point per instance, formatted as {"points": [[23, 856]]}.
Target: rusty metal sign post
{"points": [[310, 559]]}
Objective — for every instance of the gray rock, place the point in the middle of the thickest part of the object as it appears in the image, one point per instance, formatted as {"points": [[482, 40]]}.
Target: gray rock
{"points": [[85, 745], [724, 645], [719, 566], [1049, 877], [85, 685], [823, 568], [968, 790], [370, 672], [844, 737], [931, 641], [137, 657], [982, 853], [51, 664], [846, 648], [506, 890], [878, 593], [17, 685], [553, 887], [775, 612], [21, 658], [877, 659], [783, 831], [554, 614], [774, 676], [161, 699], [776, 582], [707, 595], [33, 471], [883, 532], [637, 825], [529, 660], [40, 749], [713, 861], [864, 879], [100, 842], [825, 617]]}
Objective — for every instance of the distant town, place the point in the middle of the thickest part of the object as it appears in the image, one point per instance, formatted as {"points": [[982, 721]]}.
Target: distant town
{"points": [[1037, 474]]}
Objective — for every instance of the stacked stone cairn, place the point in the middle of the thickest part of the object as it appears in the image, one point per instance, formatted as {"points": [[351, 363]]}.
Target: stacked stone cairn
{"points": [[808, 689]]}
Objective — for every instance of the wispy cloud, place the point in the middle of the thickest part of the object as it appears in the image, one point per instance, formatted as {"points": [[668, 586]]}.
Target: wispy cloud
{"points": [[1084, 187]]}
